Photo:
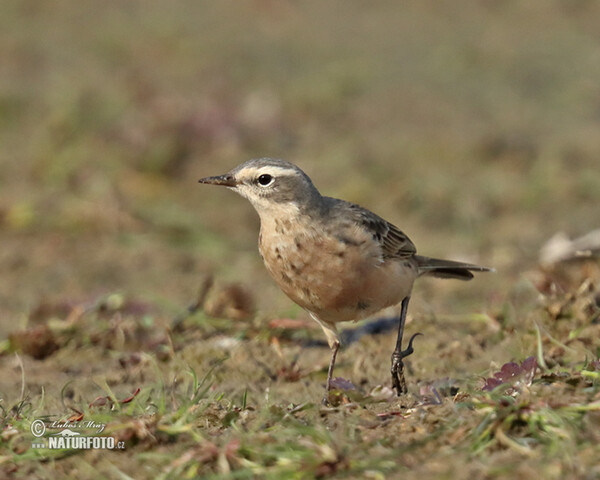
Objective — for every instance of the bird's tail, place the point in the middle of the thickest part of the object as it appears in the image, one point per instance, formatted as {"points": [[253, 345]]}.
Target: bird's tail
{"points": [[436, 267]]}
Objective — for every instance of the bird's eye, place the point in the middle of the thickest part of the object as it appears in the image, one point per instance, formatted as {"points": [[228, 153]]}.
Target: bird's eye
{"points": [[265, 179]]}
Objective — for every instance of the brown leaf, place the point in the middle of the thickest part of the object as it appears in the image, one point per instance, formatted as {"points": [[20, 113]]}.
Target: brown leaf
{"points": [[49, 309], [131, 397], [38, 342], [342, 384], [103, 400], [100, 401], [76, 417], [514, 374]]}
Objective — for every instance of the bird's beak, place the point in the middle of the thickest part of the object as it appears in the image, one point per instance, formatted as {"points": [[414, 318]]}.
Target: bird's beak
{"points": [[226, 180]]}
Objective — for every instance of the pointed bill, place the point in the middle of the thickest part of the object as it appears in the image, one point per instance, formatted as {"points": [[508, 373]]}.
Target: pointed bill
{"points": [[226, 180]]}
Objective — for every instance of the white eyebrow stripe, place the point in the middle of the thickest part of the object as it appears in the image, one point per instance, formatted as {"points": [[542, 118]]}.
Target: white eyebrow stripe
{"points": [[276, 171]]}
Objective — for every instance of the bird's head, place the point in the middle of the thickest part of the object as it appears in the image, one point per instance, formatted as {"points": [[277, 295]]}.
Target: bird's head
{"points": [[269, 184]]}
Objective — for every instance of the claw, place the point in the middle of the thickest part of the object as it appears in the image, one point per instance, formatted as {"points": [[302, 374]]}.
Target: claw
{"points": [[398, 380], [409, 350]]}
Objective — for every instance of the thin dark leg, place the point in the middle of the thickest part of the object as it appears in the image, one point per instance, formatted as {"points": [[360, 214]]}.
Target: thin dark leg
{"points": [[334, 350], [398, 380]]}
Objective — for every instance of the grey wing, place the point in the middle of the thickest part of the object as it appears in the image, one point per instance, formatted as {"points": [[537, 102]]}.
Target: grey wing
{"points": [[394, 243]]}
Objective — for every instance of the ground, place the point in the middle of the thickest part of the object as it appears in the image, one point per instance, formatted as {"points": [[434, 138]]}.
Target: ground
{"points": [[133, 297]]}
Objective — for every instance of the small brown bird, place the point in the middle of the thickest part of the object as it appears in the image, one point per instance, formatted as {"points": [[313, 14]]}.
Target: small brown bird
{"points": [[335, 259]]}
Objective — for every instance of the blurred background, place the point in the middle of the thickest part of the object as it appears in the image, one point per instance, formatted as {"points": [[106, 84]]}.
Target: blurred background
{"points": [[473, 126]]}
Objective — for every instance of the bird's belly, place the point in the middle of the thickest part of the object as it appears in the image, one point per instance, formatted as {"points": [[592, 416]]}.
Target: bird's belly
{"points": [[334, 280]]}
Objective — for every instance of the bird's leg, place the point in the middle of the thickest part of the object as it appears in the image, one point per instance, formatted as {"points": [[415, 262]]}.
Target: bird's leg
{"points": [[398, 380], [335, 346]]}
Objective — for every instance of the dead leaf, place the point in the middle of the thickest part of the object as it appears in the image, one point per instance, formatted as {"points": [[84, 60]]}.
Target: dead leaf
{"points": [[131, 397], [104, 400], [76, 417], [342, 384], [514, 374], [39, 342]]}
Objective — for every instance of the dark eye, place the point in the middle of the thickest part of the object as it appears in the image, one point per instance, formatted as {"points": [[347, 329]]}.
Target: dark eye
{"points": [[265, 179]]}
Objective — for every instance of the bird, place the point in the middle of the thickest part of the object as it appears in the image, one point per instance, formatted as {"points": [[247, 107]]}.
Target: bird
{"points": [[337, 260]]}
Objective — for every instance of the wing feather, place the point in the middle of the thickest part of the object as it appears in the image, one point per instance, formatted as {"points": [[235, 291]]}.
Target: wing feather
{"points": [[394, 243]]}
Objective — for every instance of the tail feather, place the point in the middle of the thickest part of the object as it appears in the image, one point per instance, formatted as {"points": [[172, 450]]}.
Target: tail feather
{"points": [[439, 268]]}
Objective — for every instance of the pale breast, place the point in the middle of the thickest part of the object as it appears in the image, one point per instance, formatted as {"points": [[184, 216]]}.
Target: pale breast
{"points": [[339, 275]]}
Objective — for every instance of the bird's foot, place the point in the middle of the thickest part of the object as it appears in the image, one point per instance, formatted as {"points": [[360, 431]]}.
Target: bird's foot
{"points": [[397, 370]]}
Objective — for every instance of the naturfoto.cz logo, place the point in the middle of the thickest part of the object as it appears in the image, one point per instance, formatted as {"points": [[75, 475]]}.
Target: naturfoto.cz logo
{"points": [[68, 438]]}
